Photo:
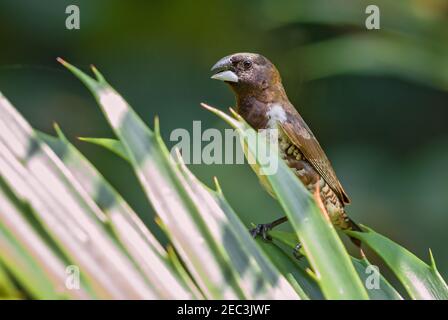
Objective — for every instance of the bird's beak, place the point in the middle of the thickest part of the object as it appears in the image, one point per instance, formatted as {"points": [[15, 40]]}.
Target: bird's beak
{"points": [[223, 72]]}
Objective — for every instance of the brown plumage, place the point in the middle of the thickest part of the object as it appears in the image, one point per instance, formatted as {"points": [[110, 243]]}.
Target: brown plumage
{"points": [[263, 103]]}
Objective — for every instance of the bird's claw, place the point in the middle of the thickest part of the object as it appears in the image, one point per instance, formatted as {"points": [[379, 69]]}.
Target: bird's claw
{"points": [[296, 251], [262, 229]]}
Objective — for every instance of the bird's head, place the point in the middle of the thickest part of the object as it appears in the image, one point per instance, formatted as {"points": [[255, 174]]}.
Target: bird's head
{"points": [[247, 73]]}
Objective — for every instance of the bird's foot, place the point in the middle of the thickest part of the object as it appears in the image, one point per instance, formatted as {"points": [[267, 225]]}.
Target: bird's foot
{"points": [[262, 229], [296, 251]]}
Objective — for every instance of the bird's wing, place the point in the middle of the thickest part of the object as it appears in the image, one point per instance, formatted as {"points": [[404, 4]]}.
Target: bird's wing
{"points": [[301, 136]]}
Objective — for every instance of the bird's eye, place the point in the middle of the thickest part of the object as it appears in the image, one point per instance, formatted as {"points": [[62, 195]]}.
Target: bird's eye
{"points": [[247, 64]]}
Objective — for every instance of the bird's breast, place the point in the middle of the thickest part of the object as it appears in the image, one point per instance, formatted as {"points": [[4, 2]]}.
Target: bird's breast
{"points": [[255, 112]]}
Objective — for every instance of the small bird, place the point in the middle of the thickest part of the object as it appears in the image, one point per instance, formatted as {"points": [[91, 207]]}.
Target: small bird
{"points": [[262, 101]]}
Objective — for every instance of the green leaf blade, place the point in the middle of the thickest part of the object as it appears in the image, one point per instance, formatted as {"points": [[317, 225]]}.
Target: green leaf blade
{"points": [[68, 214], [421, 281], [129, 230]]}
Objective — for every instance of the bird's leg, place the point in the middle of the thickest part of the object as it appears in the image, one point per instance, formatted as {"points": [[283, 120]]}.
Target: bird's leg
{"points": [[263, 229], [296, 251]]}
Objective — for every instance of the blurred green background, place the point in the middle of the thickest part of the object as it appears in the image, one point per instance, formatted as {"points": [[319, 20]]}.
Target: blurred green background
{"points": [[377, 100]]}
